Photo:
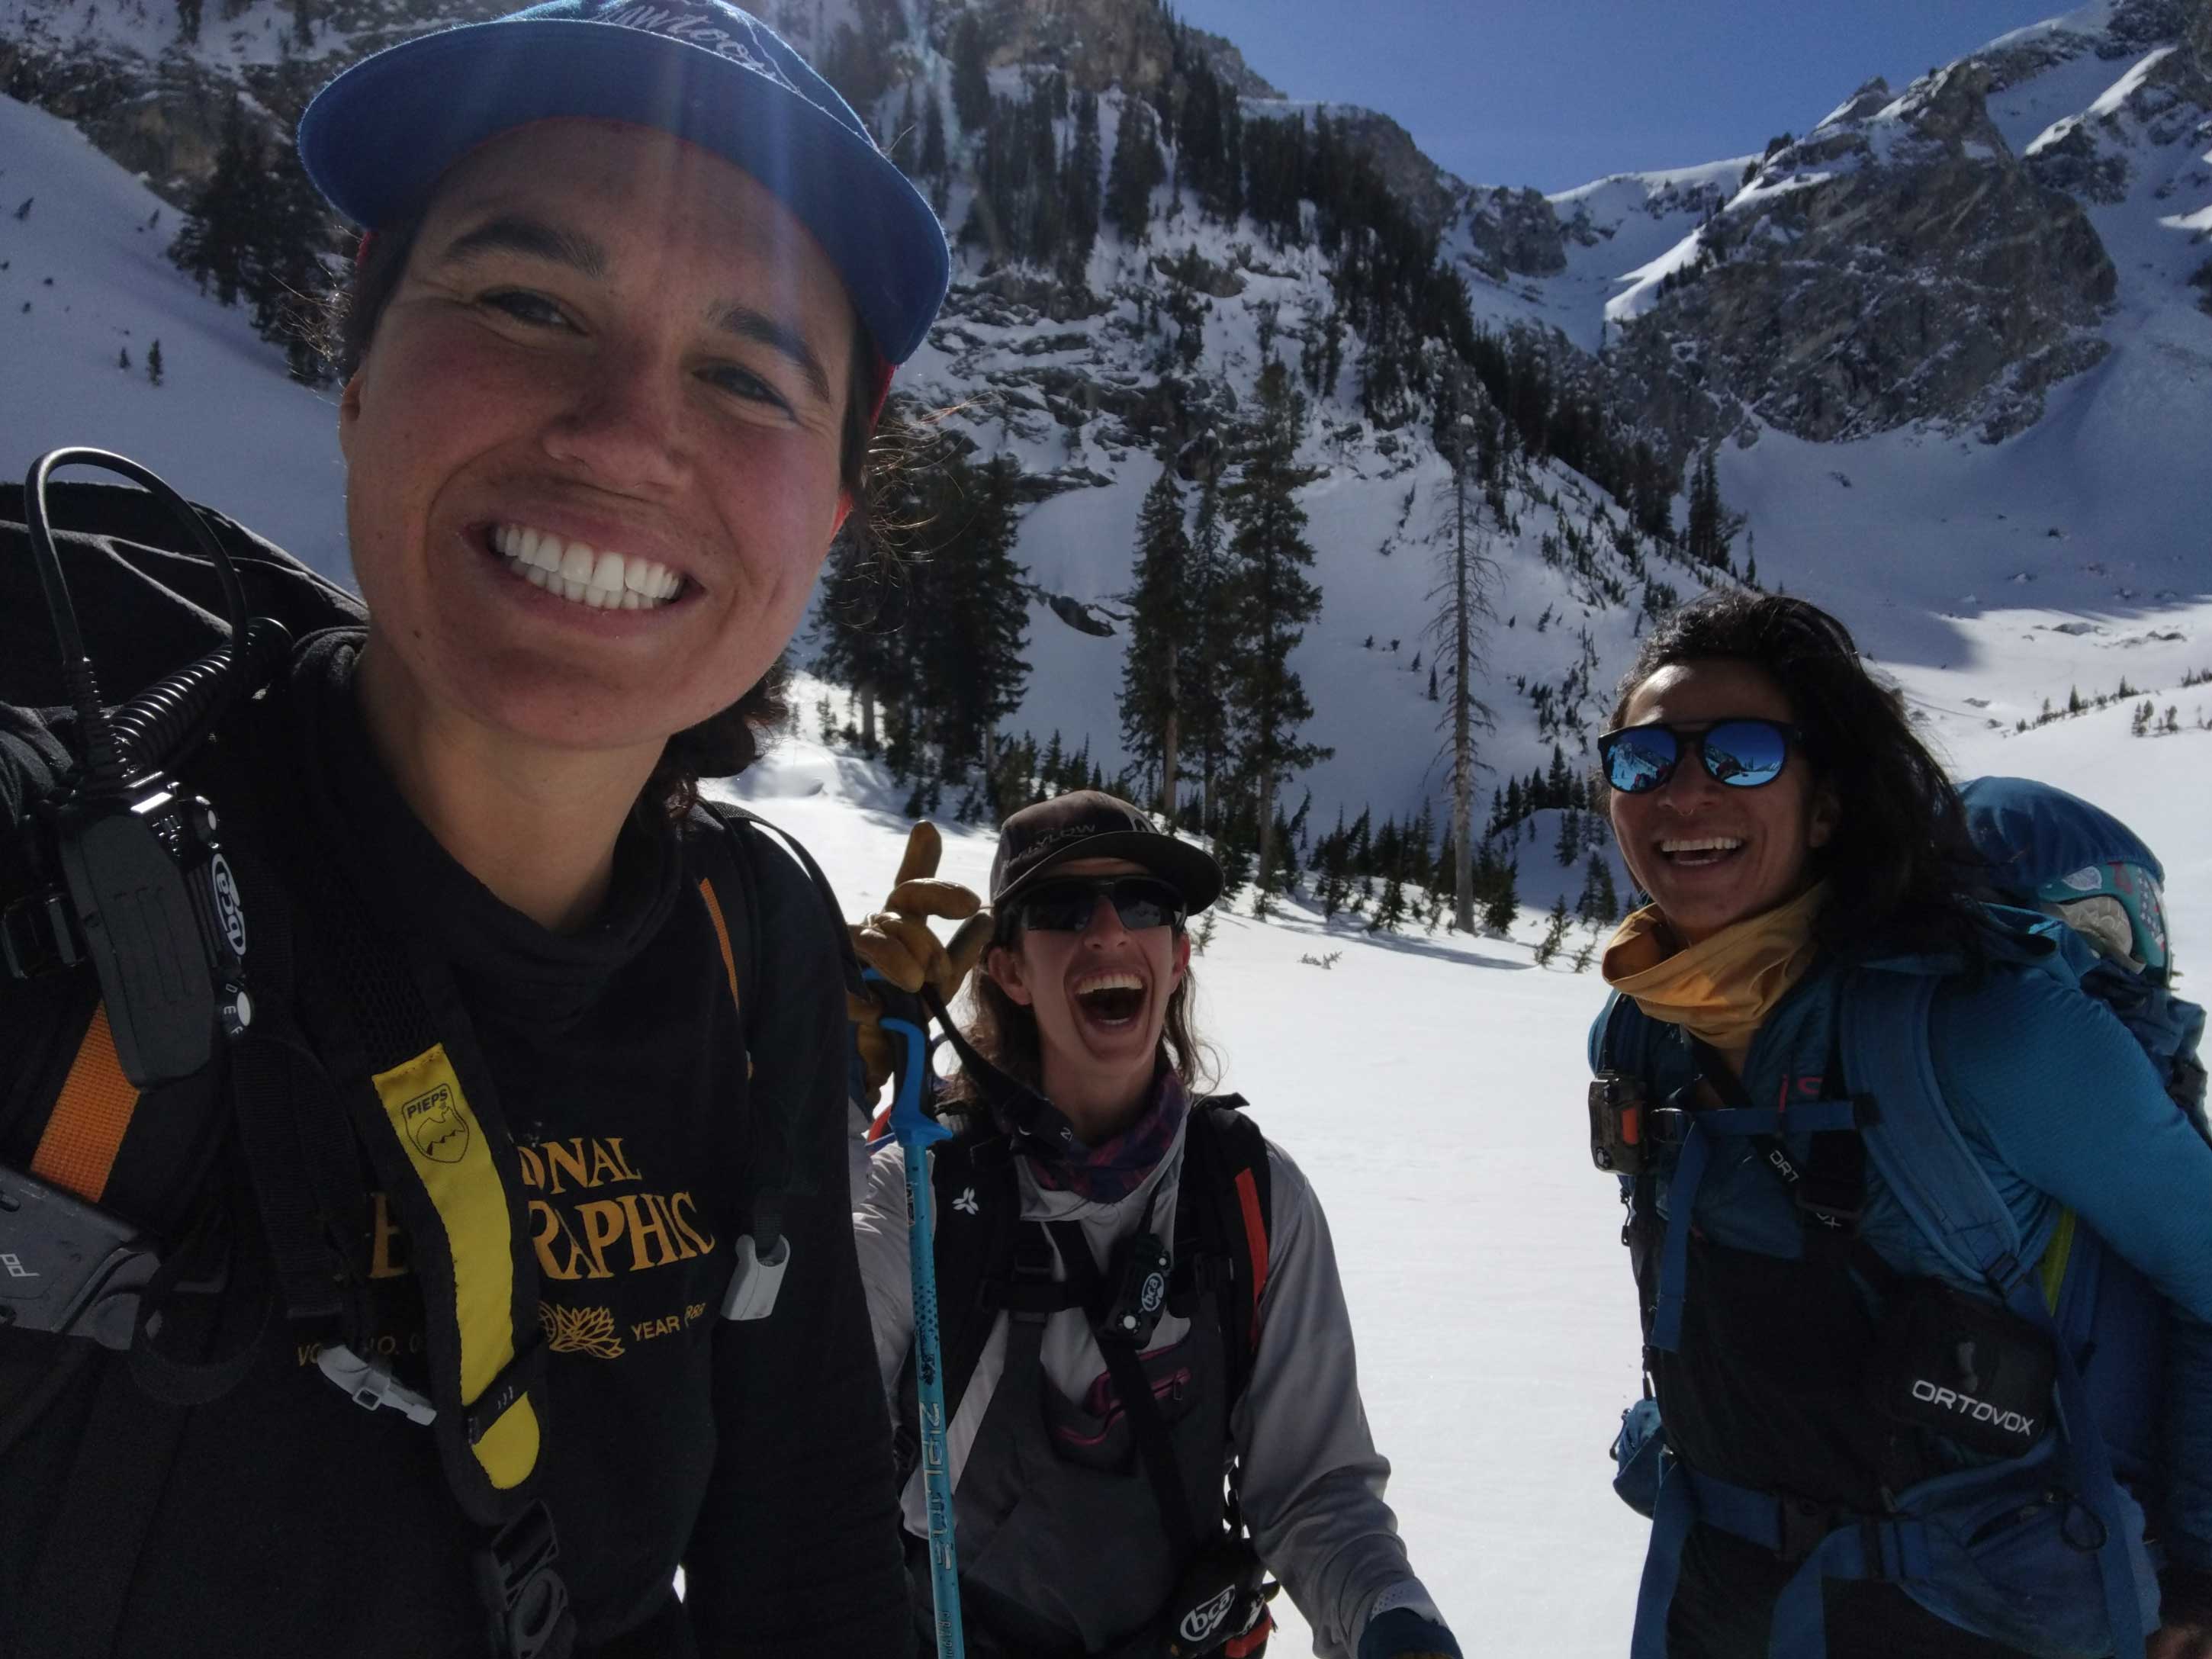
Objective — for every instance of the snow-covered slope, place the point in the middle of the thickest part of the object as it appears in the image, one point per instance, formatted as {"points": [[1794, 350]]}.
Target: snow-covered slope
{"points": [[84, 281]]}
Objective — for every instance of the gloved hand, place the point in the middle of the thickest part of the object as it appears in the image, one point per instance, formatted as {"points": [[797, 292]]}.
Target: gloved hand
{"points": [[1402, 1634], [897, 944]]}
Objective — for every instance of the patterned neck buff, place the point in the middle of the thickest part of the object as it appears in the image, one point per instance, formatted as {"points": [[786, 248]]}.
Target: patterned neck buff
{"points": [[1111, 1170]]}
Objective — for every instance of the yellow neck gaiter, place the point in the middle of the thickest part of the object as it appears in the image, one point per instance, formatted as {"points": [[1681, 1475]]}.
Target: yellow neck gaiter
{"points": [[1722, 989]]}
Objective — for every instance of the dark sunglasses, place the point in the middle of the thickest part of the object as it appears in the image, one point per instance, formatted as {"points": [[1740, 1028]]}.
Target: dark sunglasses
{"points": [[1066, 904], [1740, 753]]}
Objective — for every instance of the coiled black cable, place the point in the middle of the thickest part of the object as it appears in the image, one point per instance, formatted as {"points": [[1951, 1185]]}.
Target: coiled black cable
{"points": [[154, 729]]}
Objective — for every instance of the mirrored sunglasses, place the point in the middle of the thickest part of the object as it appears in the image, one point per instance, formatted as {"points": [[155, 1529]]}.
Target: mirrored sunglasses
{"points": [[1743, 754]]}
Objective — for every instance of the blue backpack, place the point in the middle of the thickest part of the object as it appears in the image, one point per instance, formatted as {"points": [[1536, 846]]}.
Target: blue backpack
{"points": [[2043, 1551]]}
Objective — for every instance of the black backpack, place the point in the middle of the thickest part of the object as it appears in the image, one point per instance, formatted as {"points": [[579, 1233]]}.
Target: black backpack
{"points": [[1223, 1224]]}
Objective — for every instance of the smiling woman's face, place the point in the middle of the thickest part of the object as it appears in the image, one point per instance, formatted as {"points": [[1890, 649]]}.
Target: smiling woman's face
{"points": [[617, 360], [1711, 855]]}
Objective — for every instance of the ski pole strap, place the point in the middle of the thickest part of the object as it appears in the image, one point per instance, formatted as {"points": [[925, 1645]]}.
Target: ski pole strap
{"points": [[1025, 1114], [1690, 1167], [1826, 1541]]}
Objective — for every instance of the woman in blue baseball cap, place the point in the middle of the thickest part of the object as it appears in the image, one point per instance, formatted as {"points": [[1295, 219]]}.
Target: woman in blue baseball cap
{"points": [[531, 1135]]}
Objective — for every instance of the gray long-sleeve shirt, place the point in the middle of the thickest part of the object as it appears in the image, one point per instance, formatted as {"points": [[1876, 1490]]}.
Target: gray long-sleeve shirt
{"points": [[1312, 1483]]}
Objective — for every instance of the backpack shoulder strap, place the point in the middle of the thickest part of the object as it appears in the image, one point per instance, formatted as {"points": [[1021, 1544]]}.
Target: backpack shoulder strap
{"points": [[1910, 1133], [1228, 1190], [777, 1171]]}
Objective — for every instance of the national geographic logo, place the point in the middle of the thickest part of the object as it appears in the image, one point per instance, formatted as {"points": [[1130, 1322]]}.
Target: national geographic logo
{"points": [[436, 1126]]}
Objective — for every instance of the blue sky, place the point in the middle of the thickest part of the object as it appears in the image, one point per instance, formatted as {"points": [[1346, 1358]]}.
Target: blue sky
{"points": [[1554, 92]]}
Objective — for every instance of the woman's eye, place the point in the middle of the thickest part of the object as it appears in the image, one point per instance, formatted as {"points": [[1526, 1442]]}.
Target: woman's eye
{"points": [[525, 307], [745, 384]]}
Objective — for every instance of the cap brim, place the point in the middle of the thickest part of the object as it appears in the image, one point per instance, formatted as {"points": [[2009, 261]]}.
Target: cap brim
{"points": [[1189, 869], [377, 139]]}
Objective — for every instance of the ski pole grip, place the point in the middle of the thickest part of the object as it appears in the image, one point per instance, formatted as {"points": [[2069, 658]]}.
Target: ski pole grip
{"points": [[905, 1018]]}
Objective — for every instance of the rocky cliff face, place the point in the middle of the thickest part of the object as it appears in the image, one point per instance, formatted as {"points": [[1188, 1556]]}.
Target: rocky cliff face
{"points": [[1911, 259]]}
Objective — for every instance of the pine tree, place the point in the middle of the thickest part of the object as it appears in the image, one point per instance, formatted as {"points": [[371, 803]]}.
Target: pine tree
{"points": [[971, 79], [1273, 599], [154, 369], [1468, 576], [1136, 171], [1160, 635], [188, 20], [1204, 676], [1080, 190], [863, 595], [934, 162], [215, 243], [1555, 933], [1503, 904], [1569, 844], [123, 358], [971, 674]]}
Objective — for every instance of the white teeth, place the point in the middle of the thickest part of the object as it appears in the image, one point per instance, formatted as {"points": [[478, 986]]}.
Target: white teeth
{"points": [[1709, 844], [583, 573], [1109, 983]]}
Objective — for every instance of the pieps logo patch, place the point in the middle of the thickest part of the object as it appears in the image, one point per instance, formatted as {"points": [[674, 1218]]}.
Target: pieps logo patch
{"points": [[437, 1126]]}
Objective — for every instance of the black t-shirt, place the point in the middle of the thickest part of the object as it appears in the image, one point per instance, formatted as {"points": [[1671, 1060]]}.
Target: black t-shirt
{"points": [[754, 1456]]}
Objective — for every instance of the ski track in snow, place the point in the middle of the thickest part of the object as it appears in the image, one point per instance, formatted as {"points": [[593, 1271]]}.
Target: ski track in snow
{"points": [[1431, 1086]]}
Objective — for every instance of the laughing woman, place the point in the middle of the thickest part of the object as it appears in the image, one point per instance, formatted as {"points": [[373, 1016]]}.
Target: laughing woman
{"points": [[1139, 1297], [1856, 1371]]}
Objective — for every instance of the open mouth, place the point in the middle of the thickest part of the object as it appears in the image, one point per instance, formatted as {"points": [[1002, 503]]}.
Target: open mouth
{"points": [[1111, 1000], [583, 575], [1701, 852]]}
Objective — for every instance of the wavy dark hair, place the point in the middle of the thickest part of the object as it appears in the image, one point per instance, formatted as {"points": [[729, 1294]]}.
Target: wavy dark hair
{"points": [[1006, 1034], [723, 743], [1901, 870]]}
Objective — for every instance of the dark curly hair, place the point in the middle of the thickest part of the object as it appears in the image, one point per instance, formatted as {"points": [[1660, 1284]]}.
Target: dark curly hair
{"points": [[1901, 870], [724, 744]]}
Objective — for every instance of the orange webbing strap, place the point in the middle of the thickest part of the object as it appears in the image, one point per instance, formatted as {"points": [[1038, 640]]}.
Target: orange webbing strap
{"points": [[722, 938], [90, 1117], [1256, 1242]]}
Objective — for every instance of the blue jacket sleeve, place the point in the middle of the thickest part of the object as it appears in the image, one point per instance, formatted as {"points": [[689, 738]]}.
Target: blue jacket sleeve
{"points": [[2053, 1085]]}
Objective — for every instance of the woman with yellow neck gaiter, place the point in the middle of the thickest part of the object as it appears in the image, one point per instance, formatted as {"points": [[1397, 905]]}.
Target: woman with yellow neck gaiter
{"points": [[1791, 832]]}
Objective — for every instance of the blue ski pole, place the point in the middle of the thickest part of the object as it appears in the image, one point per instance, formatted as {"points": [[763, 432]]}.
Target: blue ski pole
{"points": [[915, 1131]]}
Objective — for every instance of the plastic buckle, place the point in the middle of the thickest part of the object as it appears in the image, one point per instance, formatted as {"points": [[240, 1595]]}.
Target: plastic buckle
{"points": [[525, 1597], [370, 1384], [1666, 1125], [67, 1268], [1801, 1526], [756, 1281]]}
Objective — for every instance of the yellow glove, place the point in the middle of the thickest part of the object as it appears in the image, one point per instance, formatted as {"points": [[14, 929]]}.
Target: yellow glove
{"points": [[896, 942]]}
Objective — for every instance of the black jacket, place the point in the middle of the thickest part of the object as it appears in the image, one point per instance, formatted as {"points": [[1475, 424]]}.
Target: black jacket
{"points": [[755, 1457]]}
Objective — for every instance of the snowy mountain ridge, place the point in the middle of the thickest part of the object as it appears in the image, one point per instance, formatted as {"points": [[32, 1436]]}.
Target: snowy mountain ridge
{"points": [[2023, 565]]}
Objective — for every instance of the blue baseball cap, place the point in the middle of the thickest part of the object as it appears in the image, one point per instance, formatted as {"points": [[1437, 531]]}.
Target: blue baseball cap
{"points": [[378, 138]]}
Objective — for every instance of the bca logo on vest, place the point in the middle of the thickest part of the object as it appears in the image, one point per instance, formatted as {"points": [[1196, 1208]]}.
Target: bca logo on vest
{"points": [[436, 1127], [1202, 1621]]}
